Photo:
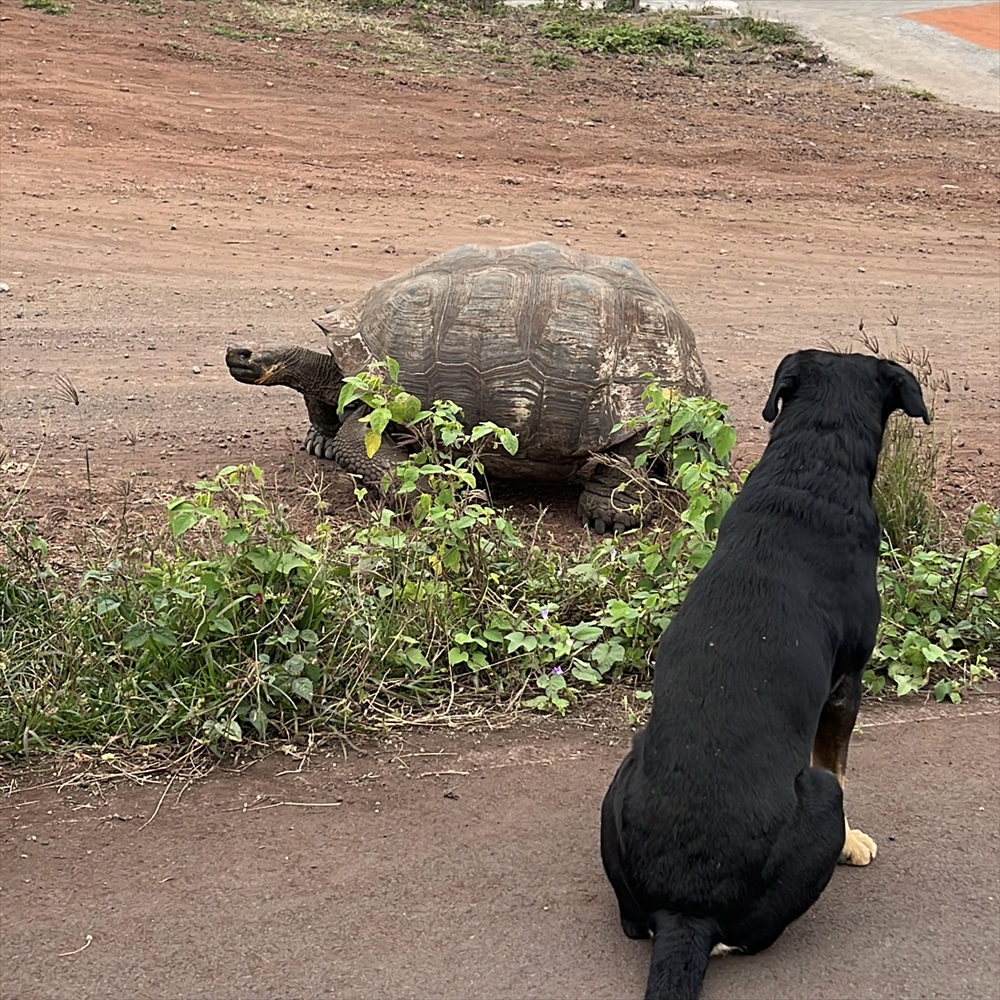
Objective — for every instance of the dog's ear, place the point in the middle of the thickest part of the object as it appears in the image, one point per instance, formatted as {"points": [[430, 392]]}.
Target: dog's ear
{"points": [[786, 381], [903, 393]]}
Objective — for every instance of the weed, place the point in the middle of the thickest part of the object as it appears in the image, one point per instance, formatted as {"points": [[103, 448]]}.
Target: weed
{"points": [[624, 37], [918, 95], [903, 492], [760, 31], [150, 9], [939, 613], [864, 74], [904, 486], [233, 34], [48, 7]]}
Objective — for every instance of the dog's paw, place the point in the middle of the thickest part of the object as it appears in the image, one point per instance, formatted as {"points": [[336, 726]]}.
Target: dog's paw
{"points": [[859, 848]]}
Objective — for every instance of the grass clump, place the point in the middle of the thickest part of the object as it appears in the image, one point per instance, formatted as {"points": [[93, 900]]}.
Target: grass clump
{"points": [[918, 95], [760, 31], [551, 60], [48, 7]]}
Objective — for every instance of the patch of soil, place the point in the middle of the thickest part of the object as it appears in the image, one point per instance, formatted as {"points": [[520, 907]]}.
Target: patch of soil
{"points": [[169, 189]]}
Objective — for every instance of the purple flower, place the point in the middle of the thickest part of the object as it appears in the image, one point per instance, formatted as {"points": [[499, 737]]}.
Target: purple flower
{"points": [[557, 670], [544, 613]]}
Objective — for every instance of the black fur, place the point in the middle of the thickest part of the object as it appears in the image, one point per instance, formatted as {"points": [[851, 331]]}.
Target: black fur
{"points": [[716, 829]]}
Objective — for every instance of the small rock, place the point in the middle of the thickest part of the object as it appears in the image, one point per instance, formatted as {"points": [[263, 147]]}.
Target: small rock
{"points": [[861, 270], [196, 370], [621, 232], [482, 220], [4, 287], [19, 314], [310, 206]]}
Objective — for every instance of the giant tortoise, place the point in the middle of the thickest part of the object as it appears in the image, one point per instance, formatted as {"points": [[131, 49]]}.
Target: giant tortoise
{"points": [[549, 342]]}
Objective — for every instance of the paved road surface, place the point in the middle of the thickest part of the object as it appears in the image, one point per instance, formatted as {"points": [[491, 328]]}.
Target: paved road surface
{"points": [[871, 34], [493, 890]]}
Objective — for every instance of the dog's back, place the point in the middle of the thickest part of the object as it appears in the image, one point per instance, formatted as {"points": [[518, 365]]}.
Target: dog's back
{"points": [[716, 830]]}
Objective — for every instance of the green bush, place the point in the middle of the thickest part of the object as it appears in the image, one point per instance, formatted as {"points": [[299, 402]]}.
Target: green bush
{"points": [[678, 34]]}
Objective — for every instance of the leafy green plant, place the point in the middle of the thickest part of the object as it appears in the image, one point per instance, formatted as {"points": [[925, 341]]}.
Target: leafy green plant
{"points": [[678, 34], [940, 613], [234, 626]]}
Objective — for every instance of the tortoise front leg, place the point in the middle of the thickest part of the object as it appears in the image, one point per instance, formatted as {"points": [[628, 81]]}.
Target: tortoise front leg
{"points": [[347, 449], [324, 425]]}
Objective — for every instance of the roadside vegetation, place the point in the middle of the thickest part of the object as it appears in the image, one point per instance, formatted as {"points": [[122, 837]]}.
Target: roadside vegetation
{"points": [[235, 622], [453, 36]]}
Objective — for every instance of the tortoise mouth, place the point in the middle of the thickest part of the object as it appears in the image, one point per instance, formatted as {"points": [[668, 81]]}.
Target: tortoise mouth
{"points": [[253, 370]]}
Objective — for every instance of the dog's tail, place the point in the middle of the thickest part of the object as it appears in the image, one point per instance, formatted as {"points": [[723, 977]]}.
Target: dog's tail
{"points": [[681, 948]]}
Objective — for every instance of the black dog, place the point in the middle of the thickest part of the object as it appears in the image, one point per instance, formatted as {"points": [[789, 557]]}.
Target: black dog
{"points": [[725, 821]]}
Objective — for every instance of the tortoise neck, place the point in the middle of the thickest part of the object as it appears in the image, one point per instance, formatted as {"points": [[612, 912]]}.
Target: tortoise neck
{"points": [[315, 374]]}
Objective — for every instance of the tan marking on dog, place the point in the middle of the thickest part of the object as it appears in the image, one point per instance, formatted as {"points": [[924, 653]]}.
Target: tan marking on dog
{"points": [[859, 849], [725, 949]]}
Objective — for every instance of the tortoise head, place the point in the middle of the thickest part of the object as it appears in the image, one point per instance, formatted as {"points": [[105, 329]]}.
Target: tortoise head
{"points": [[309, 372]]}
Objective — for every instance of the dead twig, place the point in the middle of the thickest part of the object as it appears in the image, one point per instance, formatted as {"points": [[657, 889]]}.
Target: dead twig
{"points": [[86, 944]]}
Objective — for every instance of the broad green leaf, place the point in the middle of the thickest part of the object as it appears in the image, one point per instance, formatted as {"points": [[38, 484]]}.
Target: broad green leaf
{"points": [[163, 636], [136, 636], [725, 439], [378, 420], [182, 518], [303, 688], [224, 625], [257, 718], [509, 440]]}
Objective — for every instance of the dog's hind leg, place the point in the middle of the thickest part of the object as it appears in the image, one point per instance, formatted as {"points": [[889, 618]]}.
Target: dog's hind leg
{"points": [[833, 737], [635, 923], [803, 858]]}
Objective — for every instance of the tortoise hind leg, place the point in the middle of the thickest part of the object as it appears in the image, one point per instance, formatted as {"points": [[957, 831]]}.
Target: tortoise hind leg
{"points": [[612, 498], [609, 502]]}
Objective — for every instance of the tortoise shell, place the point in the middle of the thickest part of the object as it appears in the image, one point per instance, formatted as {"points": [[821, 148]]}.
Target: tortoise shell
{"points": [[549, 342]]}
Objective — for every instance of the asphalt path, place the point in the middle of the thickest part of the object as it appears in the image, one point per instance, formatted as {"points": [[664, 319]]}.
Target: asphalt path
{"points": [[468, 867], [874, 35]]}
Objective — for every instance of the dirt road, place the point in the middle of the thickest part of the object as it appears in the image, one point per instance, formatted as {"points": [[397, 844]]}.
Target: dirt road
{"points": [[467, 867], [175, 178]]}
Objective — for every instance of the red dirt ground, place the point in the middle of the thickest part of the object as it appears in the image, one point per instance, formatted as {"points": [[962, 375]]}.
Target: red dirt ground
{"points": [[167, 191]]}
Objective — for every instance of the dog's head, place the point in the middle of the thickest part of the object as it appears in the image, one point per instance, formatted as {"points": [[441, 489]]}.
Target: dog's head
{"points": [[812, 372]]}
